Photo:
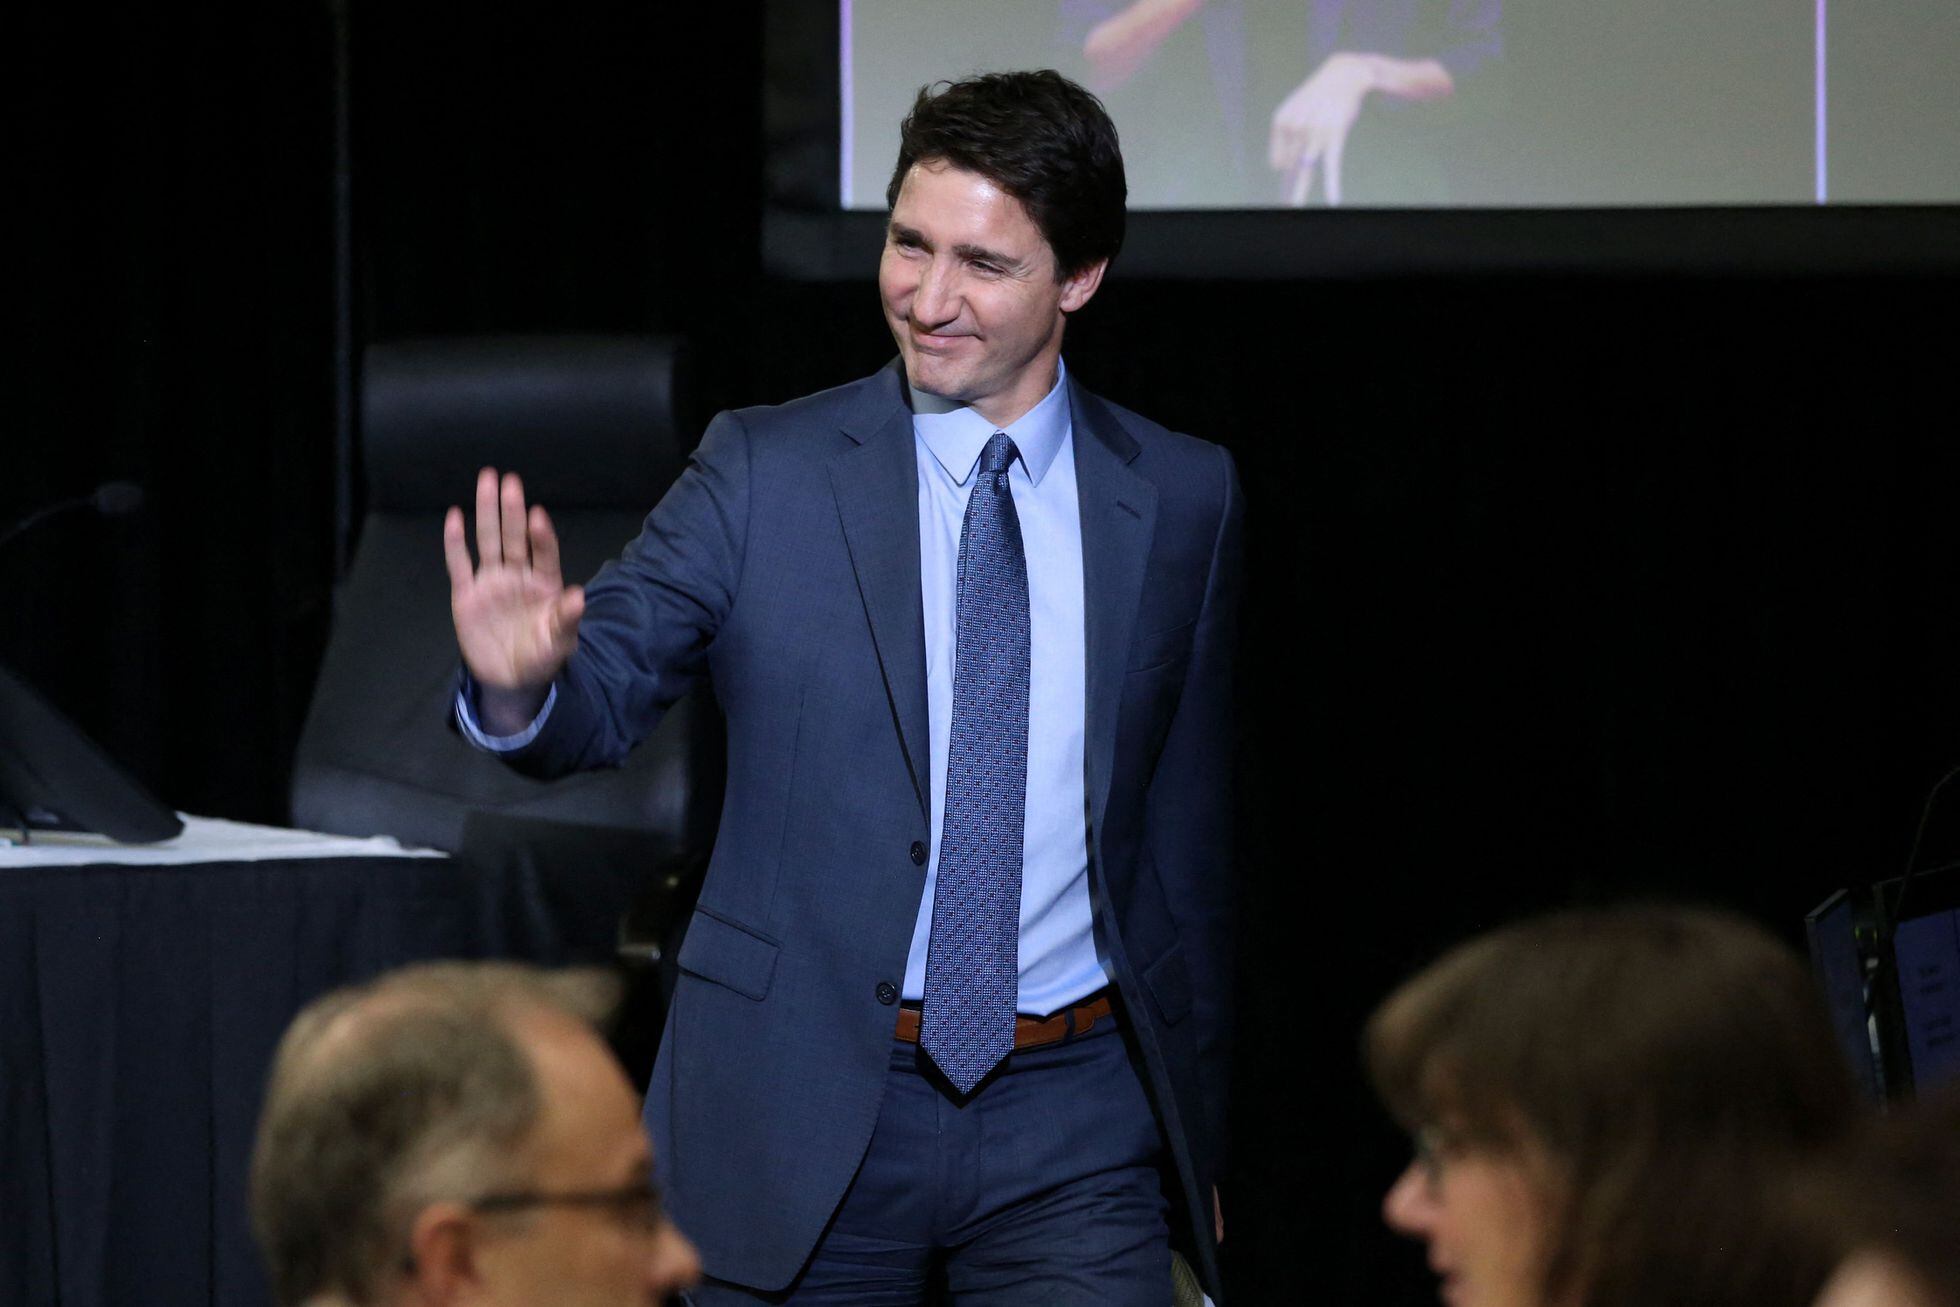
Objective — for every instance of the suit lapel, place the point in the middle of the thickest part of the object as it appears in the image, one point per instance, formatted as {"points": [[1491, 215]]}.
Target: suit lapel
{"points": [[876, 482], [1119, 517]]}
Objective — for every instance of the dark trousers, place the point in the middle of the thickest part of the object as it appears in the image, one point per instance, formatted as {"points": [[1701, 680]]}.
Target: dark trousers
{"points": [[1042, 1187]]}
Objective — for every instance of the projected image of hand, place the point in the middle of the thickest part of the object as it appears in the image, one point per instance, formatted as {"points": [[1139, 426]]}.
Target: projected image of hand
{"points": [[1118, 47], [1311, 126], [516, 620]]}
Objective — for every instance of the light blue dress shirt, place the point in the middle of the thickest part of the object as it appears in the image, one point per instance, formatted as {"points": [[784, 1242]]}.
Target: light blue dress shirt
{"points": [[1058, 959], [1058, 962]]}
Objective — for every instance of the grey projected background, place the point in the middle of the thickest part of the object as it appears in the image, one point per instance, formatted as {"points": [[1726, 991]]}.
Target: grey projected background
{"points": [[1454, 102]]}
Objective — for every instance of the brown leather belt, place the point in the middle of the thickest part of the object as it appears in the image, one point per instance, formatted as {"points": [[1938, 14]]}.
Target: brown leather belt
{"points": [[1032, 1032]]}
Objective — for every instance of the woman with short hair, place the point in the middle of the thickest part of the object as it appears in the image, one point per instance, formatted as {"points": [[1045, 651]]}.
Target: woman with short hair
{"points": [[1603, 1103]]}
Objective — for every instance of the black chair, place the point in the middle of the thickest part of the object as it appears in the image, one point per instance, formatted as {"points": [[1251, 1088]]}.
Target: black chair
{"points": [[594, 426]]}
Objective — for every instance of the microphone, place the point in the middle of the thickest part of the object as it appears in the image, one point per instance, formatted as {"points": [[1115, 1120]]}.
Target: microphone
{"points": [[110, 499], [1912, 857]]}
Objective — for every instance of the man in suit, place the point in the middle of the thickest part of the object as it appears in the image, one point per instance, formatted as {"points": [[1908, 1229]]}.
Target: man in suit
{"points": [[957, 990]]}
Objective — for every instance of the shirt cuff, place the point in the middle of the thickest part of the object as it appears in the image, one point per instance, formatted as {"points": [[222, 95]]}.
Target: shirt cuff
{"points": [[466, 719]]}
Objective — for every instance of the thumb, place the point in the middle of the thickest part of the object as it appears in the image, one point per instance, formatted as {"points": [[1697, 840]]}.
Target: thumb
{"points": [[566, 613]]}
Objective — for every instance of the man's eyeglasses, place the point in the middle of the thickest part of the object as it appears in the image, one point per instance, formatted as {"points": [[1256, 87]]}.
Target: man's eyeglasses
{"points": [[636, 1204]]}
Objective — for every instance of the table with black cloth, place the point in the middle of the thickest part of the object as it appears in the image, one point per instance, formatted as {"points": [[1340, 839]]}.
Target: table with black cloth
{"points": [[140, 1001]]}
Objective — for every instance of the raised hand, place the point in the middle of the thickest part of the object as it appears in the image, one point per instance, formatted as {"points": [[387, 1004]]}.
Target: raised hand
{"points": [[1310, 128], [516, 620]]}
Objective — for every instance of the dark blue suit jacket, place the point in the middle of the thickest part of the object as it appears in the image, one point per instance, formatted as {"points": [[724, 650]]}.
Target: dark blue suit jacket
{"points": [[785, 562]]}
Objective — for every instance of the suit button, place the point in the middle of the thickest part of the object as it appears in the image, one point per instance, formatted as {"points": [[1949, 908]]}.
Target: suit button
{"points": [[887, 993], [918, 854]]}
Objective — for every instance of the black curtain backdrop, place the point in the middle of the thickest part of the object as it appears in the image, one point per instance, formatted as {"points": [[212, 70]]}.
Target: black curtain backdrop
{"points": [[1562, 589], [175, 176]]}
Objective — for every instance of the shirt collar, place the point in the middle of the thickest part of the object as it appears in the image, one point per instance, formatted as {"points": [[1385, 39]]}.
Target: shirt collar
{"points": [[956, 437]]}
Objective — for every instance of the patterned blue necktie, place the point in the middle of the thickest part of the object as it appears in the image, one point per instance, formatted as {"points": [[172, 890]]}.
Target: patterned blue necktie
{"points": [[972, 961]]}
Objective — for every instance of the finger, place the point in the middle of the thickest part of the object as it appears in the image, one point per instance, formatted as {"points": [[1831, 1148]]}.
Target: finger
{"points": [[1313, 144], [489, 545], [517, 550], [571, 606], [544, 547], [565, 616], [455, 552], [1302, 183], [1300, 147], [1331, 172], [1280, 148]]}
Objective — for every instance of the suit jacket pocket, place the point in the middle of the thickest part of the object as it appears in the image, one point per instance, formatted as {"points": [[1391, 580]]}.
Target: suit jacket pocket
{"points": [[1170, 985], [729, 954], [1161, 647]]}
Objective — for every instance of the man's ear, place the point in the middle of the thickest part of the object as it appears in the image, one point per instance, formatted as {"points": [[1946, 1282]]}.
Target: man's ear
{"points": [[1078, 287], [442, 1254]]}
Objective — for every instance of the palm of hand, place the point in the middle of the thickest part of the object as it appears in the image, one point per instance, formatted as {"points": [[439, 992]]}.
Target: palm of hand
{"points": [[508, 626]]}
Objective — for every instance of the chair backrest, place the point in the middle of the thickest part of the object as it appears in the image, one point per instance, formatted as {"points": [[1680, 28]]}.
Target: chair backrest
{"points": [[593, 422], [594, 425]]}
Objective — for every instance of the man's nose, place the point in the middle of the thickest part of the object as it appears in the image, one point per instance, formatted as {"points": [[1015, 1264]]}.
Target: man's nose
{"points": [[1408, 1205], [937, 301]]}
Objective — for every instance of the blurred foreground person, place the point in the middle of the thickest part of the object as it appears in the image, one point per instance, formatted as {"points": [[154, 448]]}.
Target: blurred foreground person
{"points": [[1604, 1105], [1894, 1207], [457, 1133]]}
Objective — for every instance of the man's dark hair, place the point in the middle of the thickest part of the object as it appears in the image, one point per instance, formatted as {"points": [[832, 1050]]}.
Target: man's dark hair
{"points": [[1039, 137]]}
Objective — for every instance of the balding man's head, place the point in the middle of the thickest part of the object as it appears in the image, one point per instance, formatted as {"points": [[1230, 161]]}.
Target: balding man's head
{"points": [[404, 1115]]}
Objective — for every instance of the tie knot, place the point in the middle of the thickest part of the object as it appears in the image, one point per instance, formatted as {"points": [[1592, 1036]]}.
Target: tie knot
{"points": [[999, 455]]}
